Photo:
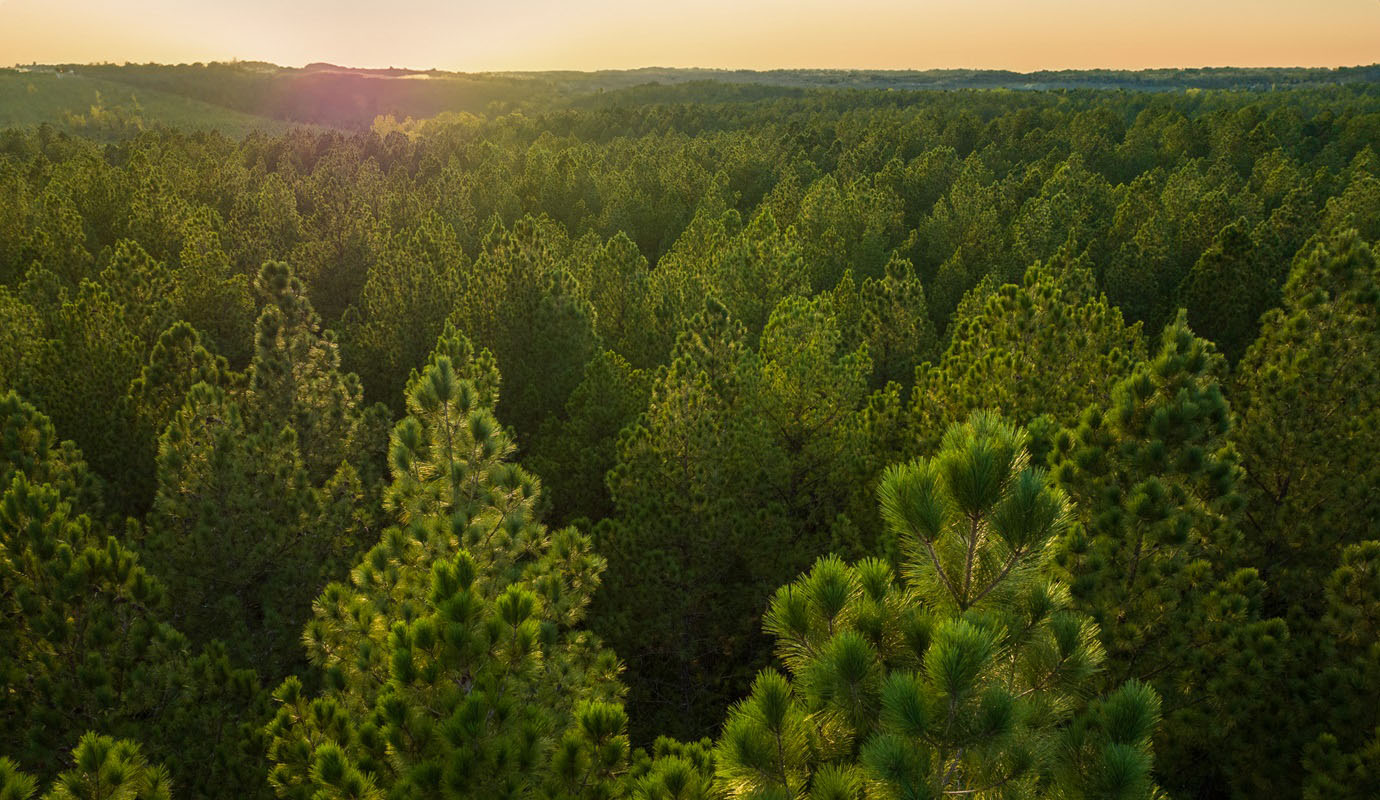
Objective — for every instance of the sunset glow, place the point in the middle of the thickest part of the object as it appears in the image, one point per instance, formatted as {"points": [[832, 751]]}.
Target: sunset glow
{"points": [[545, 34]]}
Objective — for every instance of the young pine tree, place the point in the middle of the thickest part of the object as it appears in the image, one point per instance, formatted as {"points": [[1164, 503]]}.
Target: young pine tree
{"points": [[84, 642], [1153, 553], [1308, 394], [1052, 345], [452, 663], [261, 487], [102, 769], [970, 676]]}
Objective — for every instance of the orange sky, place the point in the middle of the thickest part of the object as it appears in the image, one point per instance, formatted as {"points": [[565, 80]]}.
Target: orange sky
{"points": [[756, 34]]}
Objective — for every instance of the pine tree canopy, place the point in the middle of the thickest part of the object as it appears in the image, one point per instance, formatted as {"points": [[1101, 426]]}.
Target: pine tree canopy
{"points": [[969, 674], [689, 435]]}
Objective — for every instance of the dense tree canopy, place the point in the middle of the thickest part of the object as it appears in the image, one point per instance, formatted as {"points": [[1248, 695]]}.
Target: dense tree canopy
{"points": [[850, 444]]}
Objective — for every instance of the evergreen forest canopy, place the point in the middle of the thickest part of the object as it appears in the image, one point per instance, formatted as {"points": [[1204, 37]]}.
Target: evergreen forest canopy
{"points": [[697, 441]]}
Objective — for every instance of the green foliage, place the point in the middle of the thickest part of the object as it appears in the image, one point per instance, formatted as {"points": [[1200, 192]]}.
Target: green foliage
{"points": [[971, 675], [1344, 760], [258, 501], [32, 450], [452, 664], [90, 356], [178, 362], [1229, 288], [102, 769], [577, 450], [847, 225], [1309, 401], [1051, 346], [402, 307], [81, 636], [209, 294], [618, 281], [295, 379], [727, 484], [891, 317], [1154, 552], [709, 300], [84, 642], [673, 771], [520, 302]]}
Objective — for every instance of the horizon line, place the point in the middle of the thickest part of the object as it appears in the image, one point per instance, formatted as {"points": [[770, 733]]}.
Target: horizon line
{"points": [[396, 68]]}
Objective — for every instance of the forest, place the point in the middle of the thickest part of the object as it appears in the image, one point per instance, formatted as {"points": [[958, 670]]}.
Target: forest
{"points": [[696, 440]]}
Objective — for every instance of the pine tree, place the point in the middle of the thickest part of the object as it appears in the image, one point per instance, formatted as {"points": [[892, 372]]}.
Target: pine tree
{"points": [[402, 307], [1308, 394], [968, 677], [753, 270], [895, 324], [1051, 346], [808, 389], [520, 301], [732, 480], [259, 500], [178, 362], [1344, 760], [452, 663], [577, 451], [102, 769], [21, 340], [72, 594], [210, 295], [296, 379], [1073, 203], [30, 447], [1228, 289], [239, 533], [91, 349], [672, 539], [847, 225], [673, 770], [84, 643], [1153, 555], [136, 281], [617, 278]]}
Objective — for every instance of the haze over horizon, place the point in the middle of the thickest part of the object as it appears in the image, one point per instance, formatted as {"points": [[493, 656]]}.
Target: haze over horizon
{"points": [[772, 34]]}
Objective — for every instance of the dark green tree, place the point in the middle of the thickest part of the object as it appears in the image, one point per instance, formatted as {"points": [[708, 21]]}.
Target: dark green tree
{"points": [[732, 480], [402, 308], [178, 362], [1344, 760], [521, 302], [84, 644], [890, 315], [1153, 557], [259, 502], [578, 449], [1308, 395], [1228, 289]]}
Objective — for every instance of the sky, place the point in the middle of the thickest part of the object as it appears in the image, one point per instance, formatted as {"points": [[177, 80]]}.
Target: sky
{"points": [[1023, 35]]}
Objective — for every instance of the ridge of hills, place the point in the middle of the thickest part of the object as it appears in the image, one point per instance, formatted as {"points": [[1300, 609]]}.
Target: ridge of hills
{"points": [[108, 100]]}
